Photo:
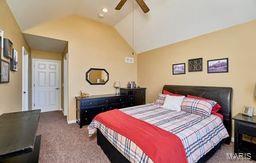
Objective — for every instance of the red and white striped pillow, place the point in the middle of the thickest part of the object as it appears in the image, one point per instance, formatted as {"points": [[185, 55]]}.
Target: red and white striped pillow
{"points": [[197, 106], [216, 108]]}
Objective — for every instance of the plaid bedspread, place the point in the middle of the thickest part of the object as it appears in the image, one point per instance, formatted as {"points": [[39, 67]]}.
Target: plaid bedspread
{"points": [[199, 135]]}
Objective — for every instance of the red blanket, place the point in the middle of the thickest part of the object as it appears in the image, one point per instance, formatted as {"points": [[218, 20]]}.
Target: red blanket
{"points": [[159, 145]]}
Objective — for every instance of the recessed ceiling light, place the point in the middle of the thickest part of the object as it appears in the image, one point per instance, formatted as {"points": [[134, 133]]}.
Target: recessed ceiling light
{"points": [[101, 15], [105, 10]]}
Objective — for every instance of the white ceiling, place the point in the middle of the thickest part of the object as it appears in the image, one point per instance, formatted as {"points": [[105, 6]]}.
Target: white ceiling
{"points": [[171, 21], [45, 44], [30, 13]]}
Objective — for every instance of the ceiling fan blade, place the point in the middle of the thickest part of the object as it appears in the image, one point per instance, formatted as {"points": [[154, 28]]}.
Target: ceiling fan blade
{"points": [[120, 4], [143, 5]]}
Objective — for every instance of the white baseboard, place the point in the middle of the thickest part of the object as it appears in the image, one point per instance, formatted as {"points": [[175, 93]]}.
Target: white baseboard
{"points": [[72, 122], [46, 111], [63, 112]]}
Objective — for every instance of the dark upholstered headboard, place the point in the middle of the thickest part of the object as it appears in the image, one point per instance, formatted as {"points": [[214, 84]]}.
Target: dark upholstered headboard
{"points": [[222, 95]]}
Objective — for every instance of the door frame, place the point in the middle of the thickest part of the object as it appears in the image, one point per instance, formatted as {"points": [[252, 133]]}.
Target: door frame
{"points": [[34, 60], [25, 79], [65, 85]]}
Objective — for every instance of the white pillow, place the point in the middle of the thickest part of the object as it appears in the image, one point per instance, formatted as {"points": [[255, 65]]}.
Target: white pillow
{"points": [[173, 102]]}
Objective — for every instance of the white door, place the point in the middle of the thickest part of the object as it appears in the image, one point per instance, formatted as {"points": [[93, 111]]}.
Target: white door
{"points": [[46, 85], [25, 80]]}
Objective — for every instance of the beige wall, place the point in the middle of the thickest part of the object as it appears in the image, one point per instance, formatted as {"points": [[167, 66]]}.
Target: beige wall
{"points": [[38, 54], [91, 44], [11, 93], [237, 43]]}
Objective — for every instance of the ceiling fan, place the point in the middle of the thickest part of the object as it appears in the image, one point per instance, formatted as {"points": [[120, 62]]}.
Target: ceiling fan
{"points": [[141, 3]]}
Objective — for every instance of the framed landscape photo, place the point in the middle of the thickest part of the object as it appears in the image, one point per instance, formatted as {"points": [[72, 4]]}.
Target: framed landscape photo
{"points": [[195, 65], [218, 65], [178, 69], [4, 72]]}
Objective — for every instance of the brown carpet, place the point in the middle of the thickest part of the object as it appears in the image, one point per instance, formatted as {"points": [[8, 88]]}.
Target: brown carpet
{"points": [[63, 143]]}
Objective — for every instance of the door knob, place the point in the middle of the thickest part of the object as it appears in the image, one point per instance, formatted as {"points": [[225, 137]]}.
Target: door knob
{"points": [[57, 88]]}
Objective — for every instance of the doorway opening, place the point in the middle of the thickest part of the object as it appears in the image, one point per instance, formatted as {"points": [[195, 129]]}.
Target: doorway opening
{"points": [[46, 84]]}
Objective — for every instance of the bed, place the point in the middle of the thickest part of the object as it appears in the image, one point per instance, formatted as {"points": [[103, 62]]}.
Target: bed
{"points": [[220, 94]]}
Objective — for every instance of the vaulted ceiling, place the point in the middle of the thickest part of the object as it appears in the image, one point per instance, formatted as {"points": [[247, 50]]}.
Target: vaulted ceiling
{"points": [[30, 13], [172, 21], [168, 22]]}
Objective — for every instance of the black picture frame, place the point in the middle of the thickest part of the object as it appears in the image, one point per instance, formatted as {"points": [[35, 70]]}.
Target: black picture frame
{"points": [[95, 83], [178, 72], [218, 66], [1, 46], [4, 70], [8, 46], [195, 65], [14, 61]]}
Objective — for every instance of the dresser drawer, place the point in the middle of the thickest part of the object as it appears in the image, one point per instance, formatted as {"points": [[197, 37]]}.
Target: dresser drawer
{"points": [[136, 96], [94, 109], [130, 99], [246, 128], [116, 100], [90, 103], [118, 105], [89, 114]]}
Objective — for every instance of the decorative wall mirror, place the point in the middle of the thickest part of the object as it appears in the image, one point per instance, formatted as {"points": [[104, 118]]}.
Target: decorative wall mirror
{"points": [[97, 76]]}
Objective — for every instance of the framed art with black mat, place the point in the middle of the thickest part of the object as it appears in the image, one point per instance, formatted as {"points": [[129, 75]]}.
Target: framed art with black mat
{"points": [[4, 72], [195, 65]]}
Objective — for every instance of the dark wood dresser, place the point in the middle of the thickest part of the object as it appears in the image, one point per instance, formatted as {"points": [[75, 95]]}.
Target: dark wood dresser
{"points": [[139, 94], [87, 108]]}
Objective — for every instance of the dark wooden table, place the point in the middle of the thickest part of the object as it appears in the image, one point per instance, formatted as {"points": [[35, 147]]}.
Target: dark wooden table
{"points": [[18, 136], [245, 125]]}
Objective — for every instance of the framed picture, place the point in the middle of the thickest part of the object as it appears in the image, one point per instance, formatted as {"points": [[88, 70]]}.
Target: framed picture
{"points": [[2, 45], [195, 65], [218, 65], [178, 69], [8, 46], [4, 72], [14, 60]]}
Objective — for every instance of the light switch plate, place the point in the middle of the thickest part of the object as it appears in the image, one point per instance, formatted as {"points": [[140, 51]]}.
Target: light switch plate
{"points": [[129, 60]]}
